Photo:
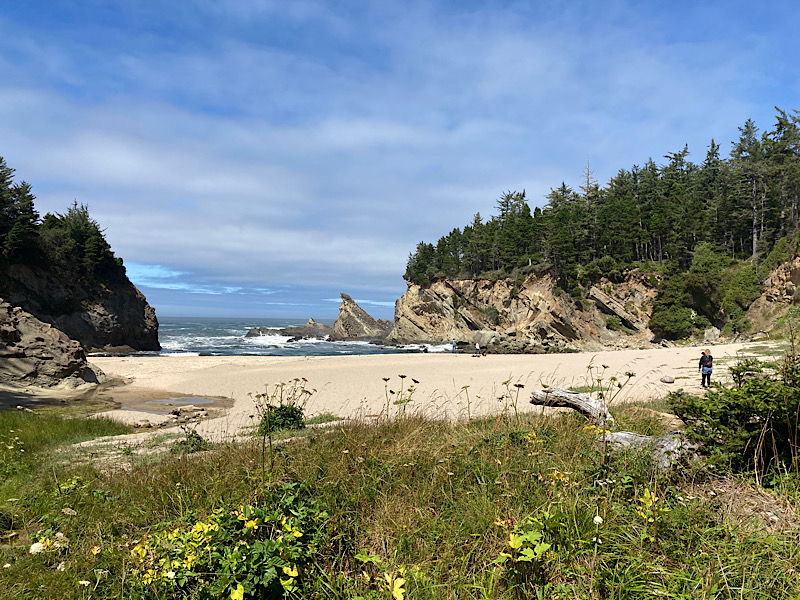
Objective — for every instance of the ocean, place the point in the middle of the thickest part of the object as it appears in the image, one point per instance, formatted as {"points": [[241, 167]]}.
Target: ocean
{"points": [[226, 337]]}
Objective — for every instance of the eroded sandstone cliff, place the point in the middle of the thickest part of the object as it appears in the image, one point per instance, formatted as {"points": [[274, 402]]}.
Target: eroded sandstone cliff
{"points": [[779, 295], [36, 353], [111, 318], [531, 316]]}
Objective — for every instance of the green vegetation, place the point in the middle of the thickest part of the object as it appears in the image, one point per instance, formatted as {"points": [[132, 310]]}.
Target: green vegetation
{"points": [[509, 507], [752, 426], [712, 230], [71, 246]]}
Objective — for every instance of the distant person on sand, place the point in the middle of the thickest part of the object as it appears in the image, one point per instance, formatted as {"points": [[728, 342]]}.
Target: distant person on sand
{"points": [[454, 346], [477, 349], [706, 364]]}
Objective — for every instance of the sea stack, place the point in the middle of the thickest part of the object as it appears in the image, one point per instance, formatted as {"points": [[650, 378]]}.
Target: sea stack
{"points": [[353, 323]]}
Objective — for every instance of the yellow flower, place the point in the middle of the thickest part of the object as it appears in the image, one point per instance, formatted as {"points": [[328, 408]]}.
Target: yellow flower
{"points": [[96, 550], [290, 571], [253, 524], [238, 593]]}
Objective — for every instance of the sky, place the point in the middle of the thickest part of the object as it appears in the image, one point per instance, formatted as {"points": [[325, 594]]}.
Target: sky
{"points": [[255, 158]]}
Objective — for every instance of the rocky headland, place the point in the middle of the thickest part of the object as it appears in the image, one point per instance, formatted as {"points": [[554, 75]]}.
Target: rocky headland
{"points": [[527, 317], [109, 318]]}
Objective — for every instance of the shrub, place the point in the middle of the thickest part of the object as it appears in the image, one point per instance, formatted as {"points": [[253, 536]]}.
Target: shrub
{"points": [[752, 426], [282, 407]]}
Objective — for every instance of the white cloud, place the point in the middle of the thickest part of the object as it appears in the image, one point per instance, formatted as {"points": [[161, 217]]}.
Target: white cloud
{"points": [[268, 144]]}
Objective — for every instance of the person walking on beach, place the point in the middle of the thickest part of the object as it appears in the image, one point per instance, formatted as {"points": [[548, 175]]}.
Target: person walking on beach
{"points": [[706, 364], [454, 346], [477, 349]]}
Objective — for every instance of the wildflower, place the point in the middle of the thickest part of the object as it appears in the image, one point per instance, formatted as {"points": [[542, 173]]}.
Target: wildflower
{"points": [[598, 520], [96, 550], [84, 583], [345, 451], [36, 548], [238, 593], [61, 566], [253, 523], [170, 575]]}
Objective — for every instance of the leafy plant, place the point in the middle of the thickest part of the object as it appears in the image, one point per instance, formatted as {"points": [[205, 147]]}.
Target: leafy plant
{"points": [[192, 442], [262, 551], [751, 426], [280, 408]]}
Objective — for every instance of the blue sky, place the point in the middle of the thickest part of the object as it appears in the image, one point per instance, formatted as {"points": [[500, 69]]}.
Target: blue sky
{"points": [[258, 157]]}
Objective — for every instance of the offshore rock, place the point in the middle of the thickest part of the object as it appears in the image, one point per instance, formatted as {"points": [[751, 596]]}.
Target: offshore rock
{"points": [[353, 323], [311, 329], [36, 353], [109, 318], [531, 316]]}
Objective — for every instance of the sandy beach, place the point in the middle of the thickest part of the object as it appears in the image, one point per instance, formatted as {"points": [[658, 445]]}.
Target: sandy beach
{"points": [[354, 387]]}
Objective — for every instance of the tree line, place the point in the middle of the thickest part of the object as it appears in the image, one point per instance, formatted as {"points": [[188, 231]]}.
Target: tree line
{"points": [[678, 219], [70, 244]]}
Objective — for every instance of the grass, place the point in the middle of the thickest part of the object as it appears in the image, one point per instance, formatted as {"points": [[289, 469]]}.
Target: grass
{"points": [[517, 507]]}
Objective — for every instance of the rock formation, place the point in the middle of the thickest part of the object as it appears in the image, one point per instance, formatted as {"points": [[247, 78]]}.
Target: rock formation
{"points": [[779, 295], [530, 317], [311, 329], [114, 318], [36, 353], [611, 306], [353, 323]]}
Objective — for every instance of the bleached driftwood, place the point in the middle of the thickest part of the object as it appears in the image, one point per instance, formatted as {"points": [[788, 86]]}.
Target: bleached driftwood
{"points": [[592, 408], [666, 450]]}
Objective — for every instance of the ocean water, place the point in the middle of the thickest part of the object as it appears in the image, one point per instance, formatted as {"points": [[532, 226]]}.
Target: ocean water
{"points": [[226, 337]]}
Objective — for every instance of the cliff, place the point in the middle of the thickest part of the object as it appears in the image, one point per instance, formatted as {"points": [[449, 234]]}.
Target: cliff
{"points": [[780, 294], [38, 354], [529, 317], [353, 322], [110, 317]]}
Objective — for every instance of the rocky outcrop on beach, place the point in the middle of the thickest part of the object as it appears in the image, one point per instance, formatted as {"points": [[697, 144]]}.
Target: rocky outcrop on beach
{"points": [[114, 318], [34, 353], [311, 329], [527, 317], [353, 323]]}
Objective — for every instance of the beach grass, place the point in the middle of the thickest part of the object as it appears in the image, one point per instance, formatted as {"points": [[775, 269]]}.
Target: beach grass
{"points": [[517, 506]]}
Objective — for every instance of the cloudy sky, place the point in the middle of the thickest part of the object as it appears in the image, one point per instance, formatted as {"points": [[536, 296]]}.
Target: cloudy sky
{"points": [[257, 157]]}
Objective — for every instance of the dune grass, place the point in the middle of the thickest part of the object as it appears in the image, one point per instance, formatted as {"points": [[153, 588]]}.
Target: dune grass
{"points": [[516, 507]]}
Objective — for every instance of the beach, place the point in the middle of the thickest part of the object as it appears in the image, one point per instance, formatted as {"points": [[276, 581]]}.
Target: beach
{"points": [[449, 386]]}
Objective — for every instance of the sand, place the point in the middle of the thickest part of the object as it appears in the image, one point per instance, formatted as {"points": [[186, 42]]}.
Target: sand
{"points": [[449, 386]]}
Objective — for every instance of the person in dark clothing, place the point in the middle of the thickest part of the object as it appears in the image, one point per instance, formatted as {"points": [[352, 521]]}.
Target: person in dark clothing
{"points": [[706, 363]]}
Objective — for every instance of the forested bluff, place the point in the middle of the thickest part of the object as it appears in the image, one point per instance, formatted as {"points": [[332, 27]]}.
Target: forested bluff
{"points": [[60, 270], [685, 247]]}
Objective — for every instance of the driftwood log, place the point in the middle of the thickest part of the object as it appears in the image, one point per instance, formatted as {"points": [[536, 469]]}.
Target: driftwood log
{"points": [[666, 450]]}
